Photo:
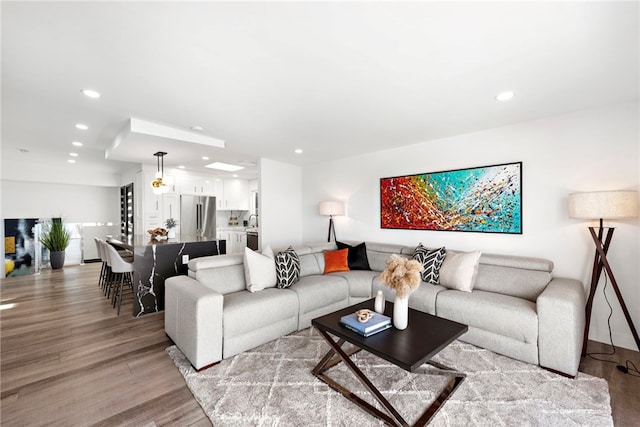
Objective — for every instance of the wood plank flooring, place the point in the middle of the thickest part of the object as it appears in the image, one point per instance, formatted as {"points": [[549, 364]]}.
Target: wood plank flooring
{"points": [[68, 360]]}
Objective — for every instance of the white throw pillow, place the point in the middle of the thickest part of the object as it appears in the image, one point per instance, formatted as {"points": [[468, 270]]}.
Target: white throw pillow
{"points": [[259, 269], [459, 270]]}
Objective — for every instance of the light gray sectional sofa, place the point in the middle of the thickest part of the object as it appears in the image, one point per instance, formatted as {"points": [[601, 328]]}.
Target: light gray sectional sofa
{"points": [[517, 308]]}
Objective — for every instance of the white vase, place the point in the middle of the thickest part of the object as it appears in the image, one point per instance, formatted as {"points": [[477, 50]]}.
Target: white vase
{"points": [[171, 233], [378, 306], [401, 312]]}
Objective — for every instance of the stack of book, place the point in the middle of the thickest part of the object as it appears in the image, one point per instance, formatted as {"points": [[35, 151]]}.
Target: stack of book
{"points": [[379, 322]]}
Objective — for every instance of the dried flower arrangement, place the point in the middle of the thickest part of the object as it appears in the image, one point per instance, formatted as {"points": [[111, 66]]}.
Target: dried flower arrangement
{"points": [[402, 275]]}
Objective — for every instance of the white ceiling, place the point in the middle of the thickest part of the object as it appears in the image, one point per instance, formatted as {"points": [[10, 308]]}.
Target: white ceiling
{"points": [[335, 79]]}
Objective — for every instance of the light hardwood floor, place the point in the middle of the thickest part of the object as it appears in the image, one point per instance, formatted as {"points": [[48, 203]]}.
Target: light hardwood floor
{"points": [[68, 360]]}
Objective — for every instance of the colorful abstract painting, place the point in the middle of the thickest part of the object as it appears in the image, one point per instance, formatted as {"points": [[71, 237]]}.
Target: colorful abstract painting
{"points": [[485, 199]]}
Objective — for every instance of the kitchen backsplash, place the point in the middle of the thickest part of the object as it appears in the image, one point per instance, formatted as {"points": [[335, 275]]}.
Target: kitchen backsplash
{"points": [[222, 218]]}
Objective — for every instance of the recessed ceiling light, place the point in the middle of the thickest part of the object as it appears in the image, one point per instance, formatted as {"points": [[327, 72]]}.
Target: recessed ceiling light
{"points": [[197, 128], [181, 166], [91, 93], [224, 166], [235, 175], [71, 161], [82, 126], [77, 143], [205, 158], [298, 151], [504, 96], [73, 154]]}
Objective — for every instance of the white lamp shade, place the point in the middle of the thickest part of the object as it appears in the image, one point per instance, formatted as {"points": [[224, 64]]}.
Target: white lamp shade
{"points": [[604, 204], [331, 208]]}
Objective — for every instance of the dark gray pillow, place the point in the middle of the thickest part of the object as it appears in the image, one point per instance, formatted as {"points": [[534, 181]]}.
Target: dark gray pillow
{"points": [[357, 256]]}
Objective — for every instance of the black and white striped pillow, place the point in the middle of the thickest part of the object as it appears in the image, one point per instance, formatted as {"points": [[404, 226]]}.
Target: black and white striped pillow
{"points": [[287, 268], [431, 261]]}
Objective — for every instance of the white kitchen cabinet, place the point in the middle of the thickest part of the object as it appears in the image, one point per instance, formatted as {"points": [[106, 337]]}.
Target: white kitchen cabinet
{"points": [[171, 207], [172, 183], [188, 184], [235, 195], [152, 214], [226, 236], [236, 240], [200, 185], [239, 241], [209, 186]]}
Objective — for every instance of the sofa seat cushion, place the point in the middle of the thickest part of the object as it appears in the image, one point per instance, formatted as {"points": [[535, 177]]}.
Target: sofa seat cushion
{"points": [[360, 282], [319, 291], [245, 311], [503, 314]]}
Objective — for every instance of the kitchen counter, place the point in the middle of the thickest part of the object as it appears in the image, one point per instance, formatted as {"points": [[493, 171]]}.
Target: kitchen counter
{"points": [[229, 228], [146, 240], [155, 261]]}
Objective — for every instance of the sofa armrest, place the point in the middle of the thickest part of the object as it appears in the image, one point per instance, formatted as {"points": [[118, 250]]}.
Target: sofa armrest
{"points": [[561, 319], [193, 320]]}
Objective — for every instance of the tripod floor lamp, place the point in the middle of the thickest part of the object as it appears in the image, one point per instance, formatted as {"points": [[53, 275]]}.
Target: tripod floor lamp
{"points": [[331, 209], [604, 205]]}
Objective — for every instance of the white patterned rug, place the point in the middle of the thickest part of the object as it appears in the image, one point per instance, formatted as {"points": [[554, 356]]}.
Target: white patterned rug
{"points": [[272, 385]]}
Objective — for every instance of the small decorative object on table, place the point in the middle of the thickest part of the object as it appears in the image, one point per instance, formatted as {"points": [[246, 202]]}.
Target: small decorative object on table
{"points": [[379, 304], [170, 223], [158, 234], [366, 322], [364, 315], [403, 276]]}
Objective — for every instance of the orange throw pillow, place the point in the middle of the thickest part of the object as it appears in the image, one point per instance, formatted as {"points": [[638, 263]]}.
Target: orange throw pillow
{"points": [[336, 261]]}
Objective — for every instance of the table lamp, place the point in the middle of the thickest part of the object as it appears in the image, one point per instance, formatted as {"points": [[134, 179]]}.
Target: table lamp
{"points": [[604, 205]]}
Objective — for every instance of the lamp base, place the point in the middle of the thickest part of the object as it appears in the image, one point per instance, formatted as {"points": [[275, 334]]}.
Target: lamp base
{"points": [[332, 229], [600, 262]]}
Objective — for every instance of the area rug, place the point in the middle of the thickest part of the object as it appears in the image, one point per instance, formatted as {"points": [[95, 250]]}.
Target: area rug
{"points": [[272, 385]]}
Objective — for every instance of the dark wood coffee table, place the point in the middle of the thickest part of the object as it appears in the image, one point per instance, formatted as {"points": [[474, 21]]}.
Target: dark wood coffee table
{"points": [[425, 336]]}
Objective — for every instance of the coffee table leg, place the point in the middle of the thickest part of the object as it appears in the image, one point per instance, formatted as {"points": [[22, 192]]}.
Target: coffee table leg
{"points": [[450, 388], [392, 418]]}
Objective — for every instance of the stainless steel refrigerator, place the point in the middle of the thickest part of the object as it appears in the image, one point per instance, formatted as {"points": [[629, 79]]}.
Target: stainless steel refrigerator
{"points": [[198, 216]]}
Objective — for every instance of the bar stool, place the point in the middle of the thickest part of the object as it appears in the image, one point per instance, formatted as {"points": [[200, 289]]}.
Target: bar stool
{"points": [[123, 269], [103, 270], [107, 275]]}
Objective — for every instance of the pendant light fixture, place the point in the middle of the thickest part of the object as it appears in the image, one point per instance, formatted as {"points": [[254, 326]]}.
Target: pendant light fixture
{"points": [[157, 185]]}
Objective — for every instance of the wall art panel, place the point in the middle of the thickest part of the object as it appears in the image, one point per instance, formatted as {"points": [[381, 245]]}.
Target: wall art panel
{"points": [[485, 199]]}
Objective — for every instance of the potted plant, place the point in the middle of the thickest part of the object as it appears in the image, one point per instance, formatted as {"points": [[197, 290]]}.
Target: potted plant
{"points": [[56, 239], [170, 223]]}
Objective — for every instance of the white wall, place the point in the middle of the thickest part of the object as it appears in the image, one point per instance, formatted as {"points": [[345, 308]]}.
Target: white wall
{"points": [[34, 171], [74, 203], [280, 203], [589, 150]]}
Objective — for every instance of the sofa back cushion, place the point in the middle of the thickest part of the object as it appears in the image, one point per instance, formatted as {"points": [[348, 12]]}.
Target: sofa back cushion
{"points": [[522, 277], [311, 257], [222, 273], [379, 253]]}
